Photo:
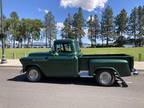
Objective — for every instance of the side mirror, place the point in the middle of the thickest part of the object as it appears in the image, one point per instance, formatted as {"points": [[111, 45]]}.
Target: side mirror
{"points": [[55, 53]]}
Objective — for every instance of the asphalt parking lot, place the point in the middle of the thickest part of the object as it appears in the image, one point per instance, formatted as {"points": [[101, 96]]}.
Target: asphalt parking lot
{"points": [[16, 92]]}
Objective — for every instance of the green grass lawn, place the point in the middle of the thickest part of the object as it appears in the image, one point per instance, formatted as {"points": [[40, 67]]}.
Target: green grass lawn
{"points": [[18, 53]]}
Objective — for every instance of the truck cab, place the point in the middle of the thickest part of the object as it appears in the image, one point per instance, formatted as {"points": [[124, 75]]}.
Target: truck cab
{"points": [[66, 47]]}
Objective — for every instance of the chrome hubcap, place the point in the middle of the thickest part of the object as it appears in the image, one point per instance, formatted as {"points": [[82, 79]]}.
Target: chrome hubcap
{"points": [[33, 75], [105, 78]]}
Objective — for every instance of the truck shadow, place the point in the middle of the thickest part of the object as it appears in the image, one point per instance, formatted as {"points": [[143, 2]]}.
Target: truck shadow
{"points": [[53, 80]]}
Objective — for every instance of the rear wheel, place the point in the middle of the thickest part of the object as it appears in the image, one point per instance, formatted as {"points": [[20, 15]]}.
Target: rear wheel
{"points": [[33, 74], [105, 77]]}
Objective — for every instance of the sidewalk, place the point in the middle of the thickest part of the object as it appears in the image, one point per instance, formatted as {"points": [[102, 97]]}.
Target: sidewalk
{"points": [[139, 66], [12, 63], [16, 63]]}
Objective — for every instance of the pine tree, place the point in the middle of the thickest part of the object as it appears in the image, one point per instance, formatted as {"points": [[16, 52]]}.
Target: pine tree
{"points": [[67, 31], [93, 29], [142, 42], [50, 28], [102, 31], [133, 24], [121, 21], [90, 29], [96, 28], [107, 24], [78, 25], [140, 27]]}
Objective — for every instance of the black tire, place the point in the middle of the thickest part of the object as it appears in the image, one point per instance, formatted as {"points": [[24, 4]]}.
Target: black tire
{"points": [[33, 74], [105, 77]]}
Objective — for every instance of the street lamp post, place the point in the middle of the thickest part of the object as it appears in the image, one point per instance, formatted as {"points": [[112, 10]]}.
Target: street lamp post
{"points": [[2, 35]]}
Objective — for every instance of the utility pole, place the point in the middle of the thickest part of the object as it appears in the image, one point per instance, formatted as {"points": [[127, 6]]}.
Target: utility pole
{"points": [[2, 35]]}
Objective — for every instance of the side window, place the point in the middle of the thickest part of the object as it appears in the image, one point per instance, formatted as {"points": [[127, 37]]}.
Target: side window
{"points": [[67, 47], [59, 48], [64, 47]]}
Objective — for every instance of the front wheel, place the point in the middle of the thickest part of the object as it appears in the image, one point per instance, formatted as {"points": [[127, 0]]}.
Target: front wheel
{"points": [[33, 74], [105, 77]]}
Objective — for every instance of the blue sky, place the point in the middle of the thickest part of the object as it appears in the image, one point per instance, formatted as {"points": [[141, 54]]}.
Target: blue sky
{"points": [[37, 8], [60, 8]]}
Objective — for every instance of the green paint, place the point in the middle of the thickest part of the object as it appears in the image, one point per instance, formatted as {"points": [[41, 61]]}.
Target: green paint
{"points": [[66, 60]]}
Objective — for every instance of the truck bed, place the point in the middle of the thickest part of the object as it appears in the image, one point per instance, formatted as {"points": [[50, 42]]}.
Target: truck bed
{"points": [[84, 59]]}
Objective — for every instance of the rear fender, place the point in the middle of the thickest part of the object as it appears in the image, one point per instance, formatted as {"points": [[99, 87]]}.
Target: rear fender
{"points": [[121, 67], [105, 68]]}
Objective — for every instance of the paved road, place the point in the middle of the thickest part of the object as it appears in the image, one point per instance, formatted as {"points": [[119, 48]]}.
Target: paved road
{"points": [[15, 92]]}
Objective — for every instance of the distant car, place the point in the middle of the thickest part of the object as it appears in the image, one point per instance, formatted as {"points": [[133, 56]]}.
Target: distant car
{"points": [[66, 60]]}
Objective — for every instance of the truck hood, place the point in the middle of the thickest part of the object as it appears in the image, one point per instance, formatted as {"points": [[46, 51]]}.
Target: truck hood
{"points": [[39, 54]]}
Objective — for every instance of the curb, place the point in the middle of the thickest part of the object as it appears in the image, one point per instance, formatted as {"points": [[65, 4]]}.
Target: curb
{"points": [[10, 66], [140, 70]]}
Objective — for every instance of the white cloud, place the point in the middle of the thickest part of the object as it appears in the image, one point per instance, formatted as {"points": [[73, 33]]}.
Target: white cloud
{"points": [[59, 25], [46, 11], [39, 9], [43, 10], [89, 5]]}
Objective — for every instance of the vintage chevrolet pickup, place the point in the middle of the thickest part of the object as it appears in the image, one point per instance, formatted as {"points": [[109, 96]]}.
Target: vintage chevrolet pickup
{"points": [[66, 60]]}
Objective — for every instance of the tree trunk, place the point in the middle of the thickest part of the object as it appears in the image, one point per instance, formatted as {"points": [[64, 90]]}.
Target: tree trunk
{"points": [[46, 36], [95, 42], [14, 43], [91, 38], [80, 42], [107, 41], [91, 43], [28, 42], [46, 41], [50, 39], [102, 40], [135, 40], [32, 43], [22, 43], [18, 46]]}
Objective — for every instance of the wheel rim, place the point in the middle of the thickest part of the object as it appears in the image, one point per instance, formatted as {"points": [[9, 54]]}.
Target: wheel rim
{"points": [[33, 75], [105, 78]]}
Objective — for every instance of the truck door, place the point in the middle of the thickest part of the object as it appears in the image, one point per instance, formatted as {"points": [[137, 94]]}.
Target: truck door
{"points": [[65, 64]]}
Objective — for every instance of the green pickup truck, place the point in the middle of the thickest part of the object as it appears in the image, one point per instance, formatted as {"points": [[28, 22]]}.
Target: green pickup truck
{"points": [[66, 60]]}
